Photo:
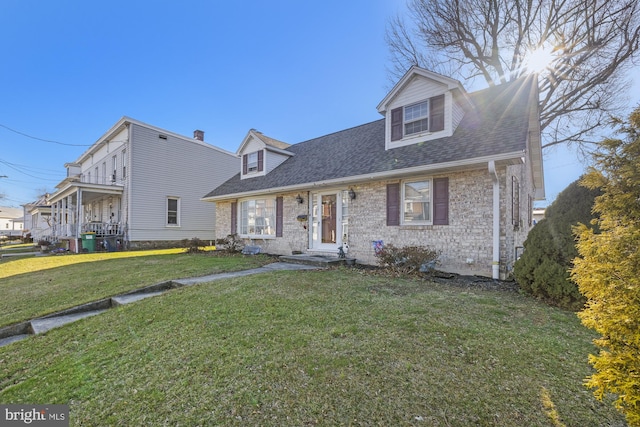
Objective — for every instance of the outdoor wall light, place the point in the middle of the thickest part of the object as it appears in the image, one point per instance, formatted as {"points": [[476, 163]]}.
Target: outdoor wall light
{"points": [[299, 199], [352, 194]]}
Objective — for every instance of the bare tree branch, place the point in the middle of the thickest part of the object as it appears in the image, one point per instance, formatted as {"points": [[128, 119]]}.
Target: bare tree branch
{"points": [[594, 44]]}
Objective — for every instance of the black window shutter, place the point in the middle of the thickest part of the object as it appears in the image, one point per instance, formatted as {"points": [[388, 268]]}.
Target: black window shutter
{"points": [[260, 160], [396, 124], [245, 160], [393, 204], [279, 209], [234, 217], [440, 201], [436, 113]]}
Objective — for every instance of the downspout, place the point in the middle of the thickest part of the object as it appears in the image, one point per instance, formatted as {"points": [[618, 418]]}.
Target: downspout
{"points": [[495, 265]]}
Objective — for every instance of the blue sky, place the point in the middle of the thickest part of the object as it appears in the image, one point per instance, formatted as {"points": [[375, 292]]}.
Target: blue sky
{"points": [[294, 70]]}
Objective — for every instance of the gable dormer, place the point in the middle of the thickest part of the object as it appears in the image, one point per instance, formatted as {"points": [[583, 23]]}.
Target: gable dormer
{"points": [[422, 106], [261, 154]]}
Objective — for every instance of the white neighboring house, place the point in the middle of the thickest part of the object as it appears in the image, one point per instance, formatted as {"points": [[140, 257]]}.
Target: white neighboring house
{"points": [[140, 186], [37, 219], [11, 221]]}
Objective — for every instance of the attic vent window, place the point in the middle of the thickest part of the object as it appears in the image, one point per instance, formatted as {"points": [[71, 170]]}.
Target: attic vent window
{"points": [[162, 136]]}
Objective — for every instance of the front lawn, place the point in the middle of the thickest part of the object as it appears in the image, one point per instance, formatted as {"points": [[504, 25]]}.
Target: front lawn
{"points": [[32, 287], [314, 348]]}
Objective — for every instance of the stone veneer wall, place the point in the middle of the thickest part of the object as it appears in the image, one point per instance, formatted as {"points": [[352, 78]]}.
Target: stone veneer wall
{"points": [[466, 243]]}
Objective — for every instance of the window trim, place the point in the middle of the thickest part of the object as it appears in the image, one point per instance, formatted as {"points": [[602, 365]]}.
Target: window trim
{"points": [[240, 217], [435, 117], [417, 119], [403, 203], [252, 164], [177, 211], [256, 170], [124, 164]]}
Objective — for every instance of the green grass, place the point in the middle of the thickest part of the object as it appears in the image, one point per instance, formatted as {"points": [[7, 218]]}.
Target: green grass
{"points": [[314, 348], [32, 287]]}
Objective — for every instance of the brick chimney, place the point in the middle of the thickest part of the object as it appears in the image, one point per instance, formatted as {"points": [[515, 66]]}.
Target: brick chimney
{"points": [[198, 134]]}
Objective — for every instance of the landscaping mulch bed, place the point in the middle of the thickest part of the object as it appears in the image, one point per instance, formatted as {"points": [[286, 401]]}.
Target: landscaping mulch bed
{"points": [[476, 282], [452, 279]]}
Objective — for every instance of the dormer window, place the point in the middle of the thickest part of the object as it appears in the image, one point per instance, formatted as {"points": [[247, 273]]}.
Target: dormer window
{"points": [[253, 162], [421, 117], [416, 118]]}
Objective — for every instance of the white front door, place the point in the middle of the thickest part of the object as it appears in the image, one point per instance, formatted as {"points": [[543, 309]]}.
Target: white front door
{"points": [[327, 215]]}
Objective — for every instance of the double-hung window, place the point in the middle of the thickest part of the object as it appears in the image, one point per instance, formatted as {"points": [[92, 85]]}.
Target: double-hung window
{"points": [[173, 211], [114, 167], [257, 217], [124, 164], [417, 202], [416, 118], [252, 162], [421, 117]]}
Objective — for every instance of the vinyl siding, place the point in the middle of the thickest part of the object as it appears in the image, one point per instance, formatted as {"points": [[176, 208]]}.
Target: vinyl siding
{"points": [[418, 89], [173, 167], [252, 145], [273, 160], [457, 113], [104, 154]]}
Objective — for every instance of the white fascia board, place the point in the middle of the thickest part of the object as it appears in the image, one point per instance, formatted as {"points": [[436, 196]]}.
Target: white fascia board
{"points": [[478, 162]]}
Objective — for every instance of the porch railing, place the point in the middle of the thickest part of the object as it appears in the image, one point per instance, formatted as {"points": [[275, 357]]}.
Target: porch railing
{"points": [[103, 229]]}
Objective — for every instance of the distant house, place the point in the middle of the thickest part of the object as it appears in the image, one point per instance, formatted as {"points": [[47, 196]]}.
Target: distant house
{"points": [[37, 219], [139, 186], [447, 169], [11, 222], [538, 214]]}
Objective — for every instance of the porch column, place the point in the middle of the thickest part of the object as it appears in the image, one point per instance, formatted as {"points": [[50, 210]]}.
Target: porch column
{"points": [[80, 218]]}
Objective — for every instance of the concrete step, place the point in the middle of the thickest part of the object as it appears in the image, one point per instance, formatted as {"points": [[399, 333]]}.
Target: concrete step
{"points": [[317, 260]]}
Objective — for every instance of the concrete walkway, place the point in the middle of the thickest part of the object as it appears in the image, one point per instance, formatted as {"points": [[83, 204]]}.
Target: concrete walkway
{"points": [[17, 332]]}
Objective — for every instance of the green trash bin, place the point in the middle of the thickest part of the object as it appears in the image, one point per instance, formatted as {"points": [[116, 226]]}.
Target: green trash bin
{"points": [[88, 242]]}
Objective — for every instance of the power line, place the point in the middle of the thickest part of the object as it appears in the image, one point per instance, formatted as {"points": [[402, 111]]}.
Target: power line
{"points": [[42, 139], [21, 169]]}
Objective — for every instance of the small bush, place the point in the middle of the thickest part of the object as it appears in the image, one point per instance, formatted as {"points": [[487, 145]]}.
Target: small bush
{"points": [[231, 243], [193, 246], [407, 260]]}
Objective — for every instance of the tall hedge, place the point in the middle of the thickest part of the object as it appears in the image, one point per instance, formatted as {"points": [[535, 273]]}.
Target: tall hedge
{"points": [[608, 270], [543, 268]]}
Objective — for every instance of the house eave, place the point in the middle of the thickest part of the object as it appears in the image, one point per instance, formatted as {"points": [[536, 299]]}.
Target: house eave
{"points": [[454, 166]]}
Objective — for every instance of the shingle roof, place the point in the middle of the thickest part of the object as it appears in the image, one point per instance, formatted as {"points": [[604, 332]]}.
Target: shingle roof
{"points": [[272, 142], [498, 125]]}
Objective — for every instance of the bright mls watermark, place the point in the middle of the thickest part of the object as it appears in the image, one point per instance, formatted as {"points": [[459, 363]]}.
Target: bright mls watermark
{"points": [[34, 415]]}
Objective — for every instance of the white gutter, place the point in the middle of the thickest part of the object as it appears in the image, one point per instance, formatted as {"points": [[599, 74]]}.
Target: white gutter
{"points": [[495, 265], [436, 168]]}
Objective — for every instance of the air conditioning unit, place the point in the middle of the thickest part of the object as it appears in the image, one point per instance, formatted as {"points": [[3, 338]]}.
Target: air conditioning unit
{"points": [[113, 178]]}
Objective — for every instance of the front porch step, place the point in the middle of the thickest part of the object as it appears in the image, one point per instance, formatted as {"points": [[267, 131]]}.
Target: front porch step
{"points": [[316, 260]]}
